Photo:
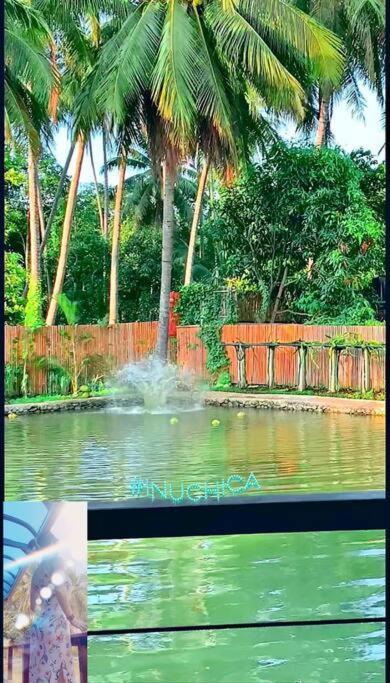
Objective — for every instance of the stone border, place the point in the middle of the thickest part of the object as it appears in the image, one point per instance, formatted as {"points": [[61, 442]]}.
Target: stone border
{"points": [[318, 404], [224, 399], [69, 404], [91, 403]]}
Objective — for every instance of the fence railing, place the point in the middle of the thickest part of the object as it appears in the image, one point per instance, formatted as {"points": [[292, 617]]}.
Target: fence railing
{"points": [[270, 352], [192, 355], [302, 350], [22, 651]]}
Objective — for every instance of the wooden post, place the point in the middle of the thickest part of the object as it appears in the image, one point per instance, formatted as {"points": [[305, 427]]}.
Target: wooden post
{"points": [[334, 354], [366, 370], [302, 354], [83, 662], [271, 366], [241, 370], [26, 663], [9, 663]]}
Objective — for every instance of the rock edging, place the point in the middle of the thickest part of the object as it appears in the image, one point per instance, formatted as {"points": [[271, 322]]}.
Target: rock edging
{"points": [[318, 404], [69, 404]]}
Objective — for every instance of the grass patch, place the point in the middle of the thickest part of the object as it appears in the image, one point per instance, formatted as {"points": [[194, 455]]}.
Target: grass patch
{"points": [[372, 395], [44, 398]]}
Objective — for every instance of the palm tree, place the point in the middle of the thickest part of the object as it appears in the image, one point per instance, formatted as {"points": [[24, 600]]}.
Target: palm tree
{"points": [[77, 54], [29, 77], [172, 58], [141, 196], [360, 25], [29, 82], [66, 230], [254, 132]]}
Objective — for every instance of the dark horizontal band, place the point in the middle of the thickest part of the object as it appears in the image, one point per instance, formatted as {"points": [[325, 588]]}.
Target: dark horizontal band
{"points": [[268, 513], [224, 627]]}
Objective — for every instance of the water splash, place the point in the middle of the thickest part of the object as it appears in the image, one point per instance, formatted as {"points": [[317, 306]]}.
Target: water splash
{"points": [[156, 383]]}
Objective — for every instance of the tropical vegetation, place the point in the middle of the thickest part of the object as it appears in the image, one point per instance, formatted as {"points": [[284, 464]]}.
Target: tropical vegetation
{"points": [[186, 99]]}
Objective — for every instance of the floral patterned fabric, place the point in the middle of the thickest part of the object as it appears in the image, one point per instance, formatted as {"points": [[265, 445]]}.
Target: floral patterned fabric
{"points": [[50, 643]]}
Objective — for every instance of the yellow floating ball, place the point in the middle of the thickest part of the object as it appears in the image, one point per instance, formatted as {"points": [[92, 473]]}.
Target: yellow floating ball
{"points": [[12, 416], [174, 420], [241, 414], [215, 423]]}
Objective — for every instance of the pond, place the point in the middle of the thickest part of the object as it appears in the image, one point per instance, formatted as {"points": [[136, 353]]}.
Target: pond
{"points": [[238, 579], [97, 455]]}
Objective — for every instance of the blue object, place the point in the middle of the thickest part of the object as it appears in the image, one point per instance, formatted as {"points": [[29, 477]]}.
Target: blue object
{"points": [[22, 522]]}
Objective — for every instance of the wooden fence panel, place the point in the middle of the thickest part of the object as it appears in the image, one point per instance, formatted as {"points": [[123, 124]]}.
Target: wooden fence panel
{"points": [[126, 342], [118, 345], [192, 356]]}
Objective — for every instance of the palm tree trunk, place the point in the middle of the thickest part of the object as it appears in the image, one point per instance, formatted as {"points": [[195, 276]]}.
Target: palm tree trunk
{"points": [[105, 173], [279, 294], [195, 221], [42, 230], [57, 197], [113, 312], [323, 122], [169, 175], [99, 206], [39, 205], [68, 219], [35, 271]]}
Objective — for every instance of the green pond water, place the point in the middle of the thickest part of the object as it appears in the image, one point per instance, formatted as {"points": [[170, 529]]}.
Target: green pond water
{"points": [[237, 579], [96, 455]]}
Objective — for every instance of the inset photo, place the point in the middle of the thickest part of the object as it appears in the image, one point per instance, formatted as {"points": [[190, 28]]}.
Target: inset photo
{"points": [[45, 592]]}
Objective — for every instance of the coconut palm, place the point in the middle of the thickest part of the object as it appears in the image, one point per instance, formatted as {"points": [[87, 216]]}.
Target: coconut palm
{"points": [[29, 82], [254, 133], [75, 45], [141, 198], [28, 74], [171, 62], [360, 24]]}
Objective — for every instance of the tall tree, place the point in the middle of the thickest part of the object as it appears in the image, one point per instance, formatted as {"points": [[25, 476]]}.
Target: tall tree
{"points": [[178, 54], [66, 230], [29, 82], [113, 311], [75, 45], [29, 77], [360, 25]]}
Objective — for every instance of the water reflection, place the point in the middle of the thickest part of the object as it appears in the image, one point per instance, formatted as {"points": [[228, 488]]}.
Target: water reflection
{"points": [[78, 456], [234, 579], [338, 654]]}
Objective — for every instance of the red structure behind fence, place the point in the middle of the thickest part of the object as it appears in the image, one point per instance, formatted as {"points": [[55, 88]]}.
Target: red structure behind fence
{"points": [[128, 342]]}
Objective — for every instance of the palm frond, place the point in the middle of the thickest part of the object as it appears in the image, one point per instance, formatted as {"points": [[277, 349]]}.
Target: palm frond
{"points": [[68, 308], [176, 76], [303, 33], [240, 42], [125, 67]]}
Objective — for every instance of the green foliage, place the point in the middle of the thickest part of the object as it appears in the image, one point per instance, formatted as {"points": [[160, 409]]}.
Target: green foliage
{"points": [[189, 305], [68, 308], [86, 277], [376, 395], [224, 381], [304, 210], [299, 206], [59, 381], [13, 373], [353, 340], [200, 304], [210, 333], [14, 279], [32, 316]]}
